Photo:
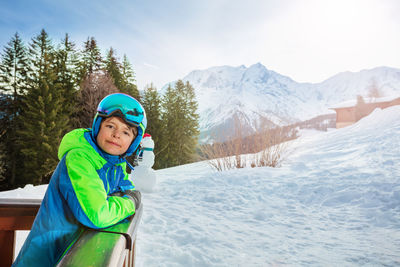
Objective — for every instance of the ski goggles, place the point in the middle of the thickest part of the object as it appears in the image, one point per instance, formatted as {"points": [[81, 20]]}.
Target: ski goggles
{"points": [[125, 107]]}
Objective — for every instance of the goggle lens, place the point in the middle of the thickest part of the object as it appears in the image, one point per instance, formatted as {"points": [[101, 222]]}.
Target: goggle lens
{"points": [[123, 106], [133, 118]]}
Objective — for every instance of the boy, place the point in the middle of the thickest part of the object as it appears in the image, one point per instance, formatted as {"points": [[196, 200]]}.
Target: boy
{"points": [[90, 186]]}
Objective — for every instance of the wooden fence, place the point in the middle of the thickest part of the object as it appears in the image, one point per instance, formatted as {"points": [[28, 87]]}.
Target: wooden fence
{"points": [[113, 246]]}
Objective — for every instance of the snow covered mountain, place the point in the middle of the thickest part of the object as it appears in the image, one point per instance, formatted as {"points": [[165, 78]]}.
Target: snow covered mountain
{"points": [[347, 85], [260, 98]]}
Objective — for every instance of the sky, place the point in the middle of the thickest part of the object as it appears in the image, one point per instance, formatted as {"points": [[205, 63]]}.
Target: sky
{"points": [[307, 40], [334, 201]]}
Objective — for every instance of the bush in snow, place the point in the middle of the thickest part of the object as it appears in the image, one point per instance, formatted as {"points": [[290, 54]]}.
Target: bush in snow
{"points": [[267, 149]]}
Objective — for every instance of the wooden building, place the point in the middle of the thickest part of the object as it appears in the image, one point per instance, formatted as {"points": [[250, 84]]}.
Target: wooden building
{"points": [[350, 112]]}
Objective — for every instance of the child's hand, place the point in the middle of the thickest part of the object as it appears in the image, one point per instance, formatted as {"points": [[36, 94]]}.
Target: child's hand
{"points": [[135, 196]]}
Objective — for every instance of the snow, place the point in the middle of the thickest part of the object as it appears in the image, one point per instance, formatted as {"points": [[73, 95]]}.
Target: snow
{"points": [[335, 201]]}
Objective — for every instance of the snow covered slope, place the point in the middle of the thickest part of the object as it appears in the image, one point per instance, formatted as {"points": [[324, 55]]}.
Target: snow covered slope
{"points": [[334, 202], [259, 97]]}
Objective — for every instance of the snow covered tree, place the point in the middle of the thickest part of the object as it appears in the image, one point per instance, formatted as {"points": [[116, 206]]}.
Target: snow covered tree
{"points": [[13, 69], [43, 121]]}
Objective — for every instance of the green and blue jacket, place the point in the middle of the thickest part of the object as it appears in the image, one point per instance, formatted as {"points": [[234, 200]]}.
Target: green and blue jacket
{"points": [[77, 196]]}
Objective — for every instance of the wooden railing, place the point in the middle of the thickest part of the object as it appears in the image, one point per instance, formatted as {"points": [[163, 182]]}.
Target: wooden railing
{"points": [[15, 214], [113, 246]]}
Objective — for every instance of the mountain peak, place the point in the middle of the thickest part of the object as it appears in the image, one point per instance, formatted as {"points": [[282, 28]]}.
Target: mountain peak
{"points": [[258, 65]]}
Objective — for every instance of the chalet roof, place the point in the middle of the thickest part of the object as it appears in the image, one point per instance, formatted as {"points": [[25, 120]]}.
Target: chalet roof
{"points": [[353, 103]]}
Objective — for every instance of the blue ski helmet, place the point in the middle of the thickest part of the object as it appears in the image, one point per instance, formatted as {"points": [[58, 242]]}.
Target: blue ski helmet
{"points": [[128, 109]]}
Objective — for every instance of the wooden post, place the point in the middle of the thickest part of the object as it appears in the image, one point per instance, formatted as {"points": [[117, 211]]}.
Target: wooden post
{"points": [[6, 247], [130, 257], [15, 214]]}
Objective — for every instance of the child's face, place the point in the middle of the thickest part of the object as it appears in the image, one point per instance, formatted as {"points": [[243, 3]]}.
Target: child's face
{"points": [[115, 136]]}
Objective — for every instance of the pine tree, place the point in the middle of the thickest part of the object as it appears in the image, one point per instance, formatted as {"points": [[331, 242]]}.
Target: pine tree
{"points": [[151, 102], [90, 65], [113, 67], [190, 128], [91, 60], [42, 119], [67, 63], [188, 118], [128, 79], [168, 138], [122, 74], [14, 67], [4, 182], [179, 138], [13, 71]]}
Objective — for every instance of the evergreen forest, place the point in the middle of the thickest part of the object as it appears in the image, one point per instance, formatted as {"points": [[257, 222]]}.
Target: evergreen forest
{"points": [[48, 88]]}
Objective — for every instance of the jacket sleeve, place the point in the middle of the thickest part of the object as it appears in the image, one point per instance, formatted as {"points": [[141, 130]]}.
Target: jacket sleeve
{"points": [[126, 183], [84, 192]]}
